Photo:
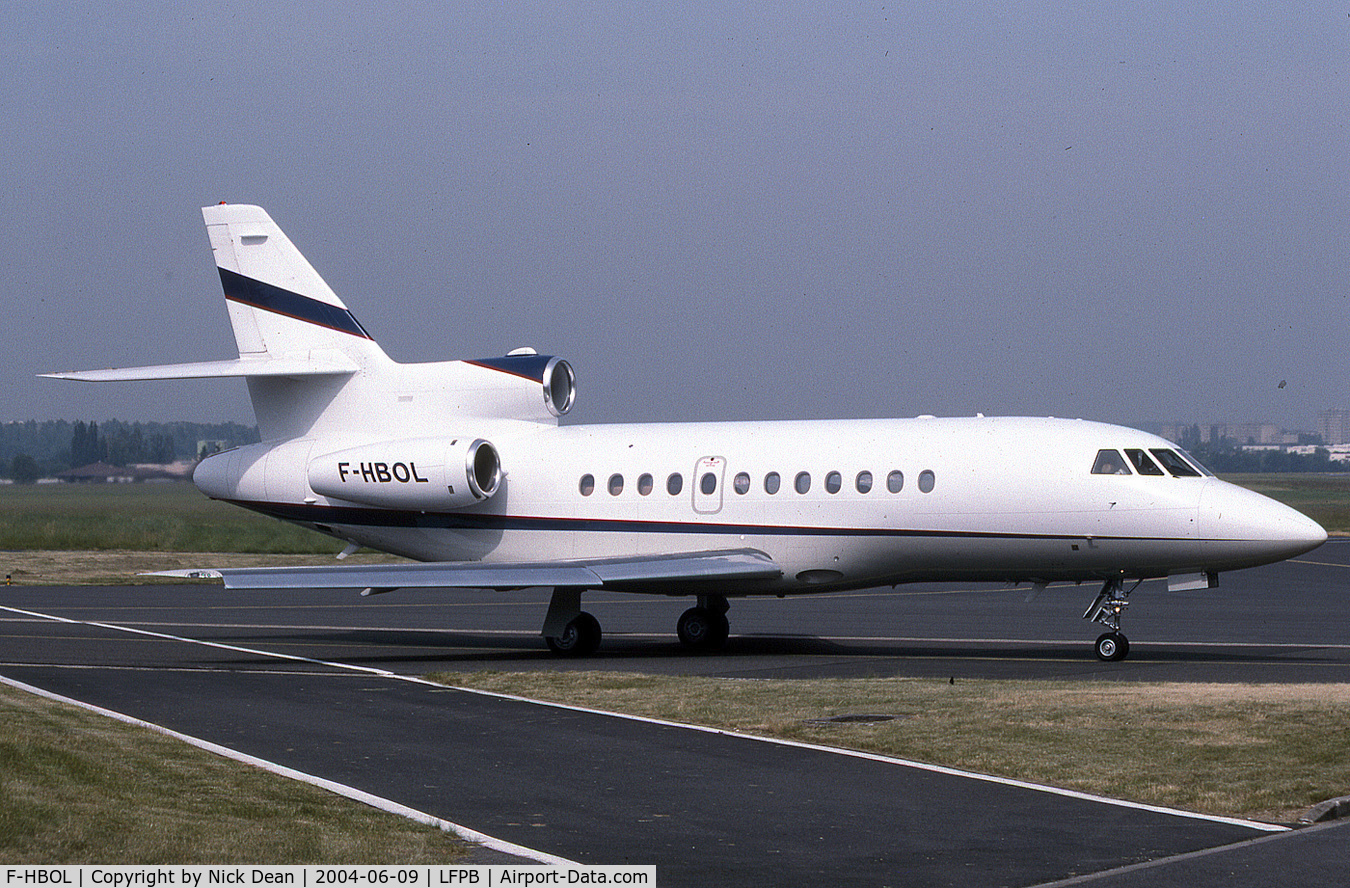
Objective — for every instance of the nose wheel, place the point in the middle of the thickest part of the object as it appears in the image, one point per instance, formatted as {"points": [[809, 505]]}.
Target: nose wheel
{"points": [[1112, 646], [1109, 607]]}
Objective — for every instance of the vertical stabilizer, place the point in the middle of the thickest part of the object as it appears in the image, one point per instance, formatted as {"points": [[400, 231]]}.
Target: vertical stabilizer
{"points": [[282, 311], [279, 306]]}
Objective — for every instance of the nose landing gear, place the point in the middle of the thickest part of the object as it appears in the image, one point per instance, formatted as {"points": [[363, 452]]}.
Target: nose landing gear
{"points": [[1108, 609]]}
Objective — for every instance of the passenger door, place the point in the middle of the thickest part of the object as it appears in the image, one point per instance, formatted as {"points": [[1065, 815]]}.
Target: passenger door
{"points": [[708, 477]]}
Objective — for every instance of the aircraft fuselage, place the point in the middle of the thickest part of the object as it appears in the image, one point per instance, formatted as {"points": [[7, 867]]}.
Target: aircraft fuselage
{"points": [[463, 465], [836, 504]]}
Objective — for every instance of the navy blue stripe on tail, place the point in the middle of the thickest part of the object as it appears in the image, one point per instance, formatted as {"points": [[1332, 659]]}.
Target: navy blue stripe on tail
{"points": [[247, 291], [524, 366]]}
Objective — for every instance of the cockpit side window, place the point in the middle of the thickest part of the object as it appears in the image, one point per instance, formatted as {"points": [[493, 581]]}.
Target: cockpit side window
{"points": [[1173, 463], [1142, 464], [1109, 463]]}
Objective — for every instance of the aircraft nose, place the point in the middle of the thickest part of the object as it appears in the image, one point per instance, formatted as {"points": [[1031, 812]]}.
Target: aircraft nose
{"points": [[1252, 528]]}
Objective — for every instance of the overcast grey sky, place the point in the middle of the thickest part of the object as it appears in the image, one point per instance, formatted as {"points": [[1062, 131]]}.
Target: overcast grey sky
{"points": [[1124, 212]]}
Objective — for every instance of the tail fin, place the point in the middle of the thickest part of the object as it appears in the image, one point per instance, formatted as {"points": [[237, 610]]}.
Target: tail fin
{"points": [[279, 306], [300, 348]]}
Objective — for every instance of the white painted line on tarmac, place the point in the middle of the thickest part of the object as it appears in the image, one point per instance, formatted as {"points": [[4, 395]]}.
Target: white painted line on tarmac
{"points": [[1317, 563], [29, 616], [851, 753], [350, 792]]}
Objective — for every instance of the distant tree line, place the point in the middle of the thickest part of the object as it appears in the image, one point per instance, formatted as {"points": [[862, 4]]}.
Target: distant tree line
{"points": [[120, 446], [32, 449]]}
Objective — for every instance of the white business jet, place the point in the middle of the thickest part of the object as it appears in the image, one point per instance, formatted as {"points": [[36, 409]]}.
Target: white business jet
{"points": [[463, 466]]}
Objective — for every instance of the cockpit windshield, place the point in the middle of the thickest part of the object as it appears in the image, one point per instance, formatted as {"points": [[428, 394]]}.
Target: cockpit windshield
{"points": [[1177, 462], [1142, 464], [1174, 463], [1195, 462]]}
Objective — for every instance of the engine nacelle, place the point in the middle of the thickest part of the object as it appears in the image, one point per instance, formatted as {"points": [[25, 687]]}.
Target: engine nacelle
{"points": [[521, 383], [415, 473]]}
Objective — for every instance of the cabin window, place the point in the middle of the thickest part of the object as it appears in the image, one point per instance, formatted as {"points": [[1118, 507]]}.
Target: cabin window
{"points": [[833, 482], [674, 484], [1109, 463], [1142, 464], [587, 486], [615, 485], [895, 481], [742, 483], [863, 482], [1174, 464], [772, 481], [927, 480], [708, 483], [803, 482], [645, 484]]}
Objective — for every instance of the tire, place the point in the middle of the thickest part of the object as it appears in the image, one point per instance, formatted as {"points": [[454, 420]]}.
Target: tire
{"points": [[1112, 647], [702, 629], [580, 638]]}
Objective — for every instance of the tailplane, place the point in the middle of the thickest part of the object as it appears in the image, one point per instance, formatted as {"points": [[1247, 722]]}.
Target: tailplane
{"points": [[298, 344], [313, 370]]}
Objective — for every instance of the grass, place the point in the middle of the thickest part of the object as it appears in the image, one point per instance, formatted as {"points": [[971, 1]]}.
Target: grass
{"points": [[1258, 751], [1323, 498], [160, 517], [78, 787]]}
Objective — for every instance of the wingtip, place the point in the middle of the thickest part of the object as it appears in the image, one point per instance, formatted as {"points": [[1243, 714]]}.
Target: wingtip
{"points": [[191, 573]]}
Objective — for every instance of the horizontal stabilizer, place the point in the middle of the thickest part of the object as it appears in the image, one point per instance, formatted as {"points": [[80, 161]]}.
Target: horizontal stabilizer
{"points": [[741, 564], [335, 365]]}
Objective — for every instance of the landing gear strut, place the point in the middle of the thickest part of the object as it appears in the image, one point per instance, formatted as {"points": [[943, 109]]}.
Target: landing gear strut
{"points": [[705, 627], [568, 630], [1107, 610]]}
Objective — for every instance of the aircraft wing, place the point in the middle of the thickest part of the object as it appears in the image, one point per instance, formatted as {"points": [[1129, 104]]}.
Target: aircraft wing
{"points": [[599, 573]]}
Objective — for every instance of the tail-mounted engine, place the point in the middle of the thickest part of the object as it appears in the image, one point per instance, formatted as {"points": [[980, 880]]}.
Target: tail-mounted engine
{"points": [[522, 382], [415, 473]]}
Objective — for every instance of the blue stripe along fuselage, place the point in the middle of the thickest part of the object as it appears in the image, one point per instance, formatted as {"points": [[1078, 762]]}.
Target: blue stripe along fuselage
{"points": [[267, 297], [361, 516]]}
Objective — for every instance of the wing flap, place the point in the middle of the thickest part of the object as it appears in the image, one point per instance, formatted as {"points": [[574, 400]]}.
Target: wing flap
{"points": [[742, 564]]}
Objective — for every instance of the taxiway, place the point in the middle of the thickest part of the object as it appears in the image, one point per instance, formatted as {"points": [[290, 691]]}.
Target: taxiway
{"points": [[319, 682]]}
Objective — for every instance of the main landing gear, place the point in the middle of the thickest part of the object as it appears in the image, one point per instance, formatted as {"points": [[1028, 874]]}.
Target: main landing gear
{"points": [[705, 627], [1108, 609], [568, 630], [571, 632], [579, 638]]}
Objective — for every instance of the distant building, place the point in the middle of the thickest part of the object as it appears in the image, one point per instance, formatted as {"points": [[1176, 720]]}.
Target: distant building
{"points": [[1240, 433], [1254, 433], [1334, 426], [206, 448]]}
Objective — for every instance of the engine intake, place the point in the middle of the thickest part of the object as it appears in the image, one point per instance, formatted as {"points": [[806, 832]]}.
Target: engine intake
{"points": [[518, 380], [416, 473], [560, 386]]}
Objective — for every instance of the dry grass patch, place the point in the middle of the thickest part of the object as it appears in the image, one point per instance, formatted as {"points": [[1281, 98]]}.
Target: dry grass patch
{"points": [[1258, 751], [116, 568], [77, 787]]}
